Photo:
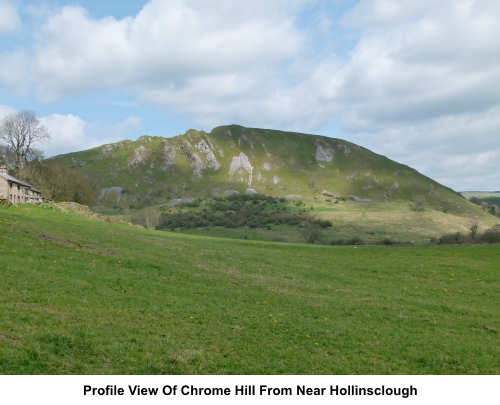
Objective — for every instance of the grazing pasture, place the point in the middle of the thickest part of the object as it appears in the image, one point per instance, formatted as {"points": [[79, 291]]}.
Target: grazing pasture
{"points": [[81, 296]]}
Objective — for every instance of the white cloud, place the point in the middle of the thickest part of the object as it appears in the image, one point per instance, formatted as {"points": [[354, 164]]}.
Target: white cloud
{"points": [[387, 88], [123, 129], [421, 88], [6, 110], [71, 133], [167, 45], [15, 71], [216, 61], [9, 17], [419, 85], [459, 151], [68, 133], [378, 14]]}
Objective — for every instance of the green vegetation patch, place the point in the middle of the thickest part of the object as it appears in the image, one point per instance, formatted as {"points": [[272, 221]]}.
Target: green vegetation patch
{"points": [[81, 296], [253, 211]]}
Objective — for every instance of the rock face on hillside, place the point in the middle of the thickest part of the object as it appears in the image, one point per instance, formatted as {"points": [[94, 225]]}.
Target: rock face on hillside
{"points": [[266, 161]]}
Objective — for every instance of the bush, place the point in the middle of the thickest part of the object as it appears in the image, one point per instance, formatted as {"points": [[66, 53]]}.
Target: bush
{"points": [[355, 241], [323, 223], [351, 241], [475, 200], [337, 242], [418, 203], [60, 182], [454, 239], [491, 235], [152, 218], [311, 233], [387, 242]]}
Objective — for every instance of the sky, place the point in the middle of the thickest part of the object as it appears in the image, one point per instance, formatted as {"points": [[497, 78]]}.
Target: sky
{"points": [[417, 80]]}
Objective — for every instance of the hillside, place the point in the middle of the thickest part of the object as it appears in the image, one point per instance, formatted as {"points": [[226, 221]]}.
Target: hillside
{"points": [[363, 194], [81, 296], [156, 169]]}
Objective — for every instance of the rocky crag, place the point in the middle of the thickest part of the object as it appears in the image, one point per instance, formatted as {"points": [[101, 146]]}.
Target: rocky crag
{"points": [[272, 162]]}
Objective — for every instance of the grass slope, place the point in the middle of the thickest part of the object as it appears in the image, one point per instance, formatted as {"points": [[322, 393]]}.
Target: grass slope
{"points": [[86, 297], [370, 221], [155, 169]]}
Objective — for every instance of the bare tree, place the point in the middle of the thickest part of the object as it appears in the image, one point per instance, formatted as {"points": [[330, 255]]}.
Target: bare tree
{"points": [[20, 131], [7, 156], [152, 218], [32, 170]]}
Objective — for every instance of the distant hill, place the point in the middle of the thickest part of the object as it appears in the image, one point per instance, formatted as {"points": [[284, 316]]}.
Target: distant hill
{"points": [[197, 163], [489, 197]]}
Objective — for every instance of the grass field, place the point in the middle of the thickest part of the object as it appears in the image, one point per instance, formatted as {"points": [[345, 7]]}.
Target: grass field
{"points": [[372, 222], [81, 296], [490, 197]]}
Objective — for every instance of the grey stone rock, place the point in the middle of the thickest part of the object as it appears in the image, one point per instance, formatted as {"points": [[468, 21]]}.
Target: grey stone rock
{"points": [[118, 190], [231, 192], [354, 198], [177, 201]]}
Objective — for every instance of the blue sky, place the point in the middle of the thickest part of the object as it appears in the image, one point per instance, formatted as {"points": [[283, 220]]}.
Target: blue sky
{"points": [[416, 81]]}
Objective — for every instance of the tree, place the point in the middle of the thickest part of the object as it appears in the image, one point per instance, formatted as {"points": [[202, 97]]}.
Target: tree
{"points": [[61, 183], [473, 231], [7, 156], [32, 170], [152, 218], [475, 200], [311, 233], [418, 203], [20, 131]]}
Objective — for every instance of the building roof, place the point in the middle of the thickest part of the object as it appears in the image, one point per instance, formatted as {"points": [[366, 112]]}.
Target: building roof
{"points": [[14, 180]]}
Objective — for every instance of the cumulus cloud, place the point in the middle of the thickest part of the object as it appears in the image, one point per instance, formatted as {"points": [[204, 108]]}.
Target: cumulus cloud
{"points": [[421, 88], [419, 83], [460, 151], [6, 110], [67, 133], [216, 61], [167, 45], [443, 63], [15, 71], [9, 17], [71, 133], [123, 129]]}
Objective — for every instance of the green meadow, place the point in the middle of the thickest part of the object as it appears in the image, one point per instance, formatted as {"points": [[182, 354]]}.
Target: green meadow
{"points": [[371, 222], [81, 296]]}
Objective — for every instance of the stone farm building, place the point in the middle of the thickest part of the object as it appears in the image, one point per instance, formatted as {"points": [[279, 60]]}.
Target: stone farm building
{"points": [[17, 191]]}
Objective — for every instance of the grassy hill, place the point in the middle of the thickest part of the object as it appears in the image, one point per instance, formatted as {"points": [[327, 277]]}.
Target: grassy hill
{"points": [[81, 296], [371, 222], [155, 169], [363, 194]]}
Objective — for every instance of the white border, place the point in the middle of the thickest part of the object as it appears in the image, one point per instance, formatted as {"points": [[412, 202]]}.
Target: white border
{"points": [[55, 390]]}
